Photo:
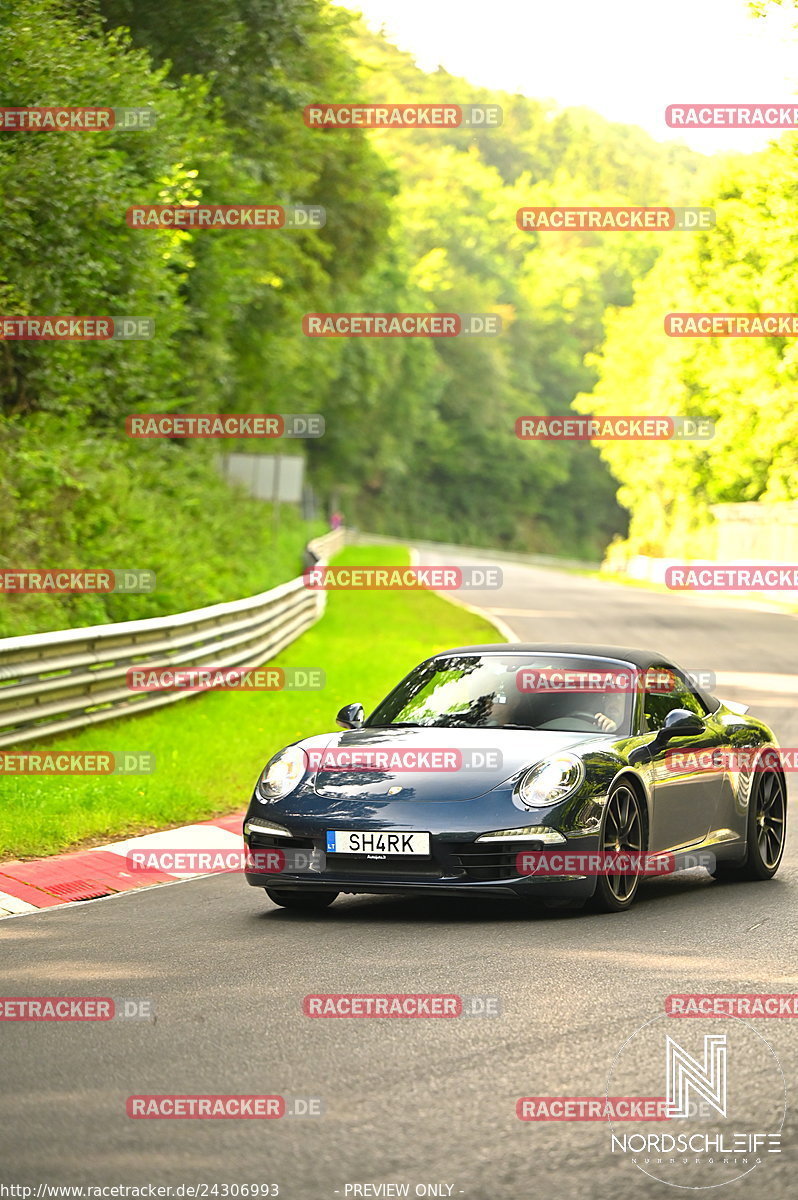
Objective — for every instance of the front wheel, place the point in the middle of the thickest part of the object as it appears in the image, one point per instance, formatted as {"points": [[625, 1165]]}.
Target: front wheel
{"points": [[622, 832], [306, 901]]}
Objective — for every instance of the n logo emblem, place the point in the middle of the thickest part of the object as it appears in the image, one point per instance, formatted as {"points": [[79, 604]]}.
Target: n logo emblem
{"points": [[706, 1080]]}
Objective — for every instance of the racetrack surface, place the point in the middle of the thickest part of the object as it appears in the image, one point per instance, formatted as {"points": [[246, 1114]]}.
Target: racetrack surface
{"points": [[428, 1101]]}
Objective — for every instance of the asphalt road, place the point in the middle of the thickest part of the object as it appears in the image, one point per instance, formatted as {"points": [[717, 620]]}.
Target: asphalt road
{"points": [[406, 1102]]}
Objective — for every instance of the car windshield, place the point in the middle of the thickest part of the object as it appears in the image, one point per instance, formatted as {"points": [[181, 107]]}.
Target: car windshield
{"points": [[514, 691]]}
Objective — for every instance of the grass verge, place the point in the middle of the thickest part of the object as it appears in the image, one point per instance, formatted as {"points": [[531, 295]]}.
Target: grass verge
{"points": [[209, 749]]}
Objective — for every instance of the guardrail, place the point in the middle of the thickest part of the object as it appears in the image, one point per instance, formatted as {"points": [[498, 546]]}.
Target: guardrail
{"points": [[53, 683]]}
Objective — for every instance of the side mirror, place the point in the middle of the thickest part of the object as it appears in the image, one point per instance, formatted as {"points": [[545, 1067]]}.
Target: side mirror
{"points": [[351, 716], [680, 722]]}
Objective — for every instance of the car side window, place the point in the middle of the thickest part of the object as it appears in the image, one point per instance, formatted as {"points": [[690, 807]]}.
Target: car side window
{"points": [[665, 690]]}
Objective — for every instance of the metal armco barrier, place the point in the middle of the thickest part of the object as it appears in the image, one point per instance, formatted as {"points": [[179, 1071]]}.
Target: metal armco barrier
{"points": [[52, 683]]}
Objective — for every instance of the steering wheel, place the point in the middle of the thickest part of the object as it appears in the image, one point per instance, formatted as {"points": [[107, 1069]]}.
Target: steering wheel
{"points": [[585, 716]]}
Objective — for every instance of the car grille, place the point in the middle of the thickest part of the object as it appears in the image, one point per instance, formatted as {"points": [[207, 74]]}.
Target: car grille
{"points": [[265, 841], [404, 866], [480, 861]]}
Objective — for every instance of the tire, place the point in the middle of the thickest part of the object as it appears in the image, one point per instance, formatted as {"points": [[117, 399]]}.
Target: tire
{"points": [[767, 827], [622, 829], [303, 901]]}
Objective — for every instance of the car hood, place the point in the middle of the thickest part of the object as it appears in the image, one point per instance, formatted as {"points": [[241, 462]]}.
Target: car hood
{"points": [[477, 760]]}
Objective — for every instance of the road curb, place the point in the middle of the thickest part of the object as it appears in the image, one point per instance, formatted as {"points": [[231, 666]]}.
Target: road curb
{"points": [[27, 887]]}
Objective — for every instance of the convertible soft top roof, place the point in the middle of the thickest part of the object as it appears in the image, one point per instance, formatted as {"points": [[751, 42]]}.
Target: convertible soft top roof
{"points": [[638, 658], [643, 659]]}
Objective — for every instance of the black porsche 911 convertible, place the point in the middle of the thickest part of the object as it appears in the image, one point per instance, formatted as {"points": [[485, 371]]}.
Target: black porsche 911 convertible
{"points": [[566, 773]]}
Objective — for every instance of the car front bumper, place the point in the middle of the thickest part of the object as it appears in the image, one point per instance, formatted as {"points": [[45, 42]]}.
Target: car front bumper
{"points": [[457, 865]]}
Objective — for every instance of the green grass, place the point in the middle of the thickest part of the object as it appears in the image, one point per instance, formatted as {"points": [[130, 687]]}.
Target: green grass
{"points": [[209, 749]]}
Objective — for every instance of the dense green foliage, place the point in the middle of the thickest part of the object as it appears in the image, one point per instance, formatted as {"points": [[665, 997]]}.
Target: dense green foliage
{"points": [[745, 385], [78, 499], [460, 473], [74, 491], [420, 434]]}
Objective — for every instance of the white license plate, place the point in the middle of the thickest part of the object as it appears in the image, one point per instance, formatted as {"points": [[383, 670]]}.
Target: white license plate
{"points": [[361, 841]]}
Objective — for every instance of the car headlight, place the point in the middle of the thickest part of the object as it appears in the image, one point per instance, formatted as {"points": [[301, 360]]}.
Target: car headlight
{"points": [[550, 781], [281, 774]]}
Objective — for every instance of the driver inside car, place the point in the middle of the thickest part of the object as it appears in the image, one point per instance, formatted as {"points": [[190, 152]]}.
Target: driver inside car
{"points": [[606, 710], [613, 707], [555, 710]]}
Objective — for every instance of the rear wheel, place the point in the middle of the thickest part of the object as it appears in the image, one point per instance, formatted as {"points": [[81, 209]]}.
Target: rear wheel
{"points": [[623, 830], [306, 901], [767, 824]]}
